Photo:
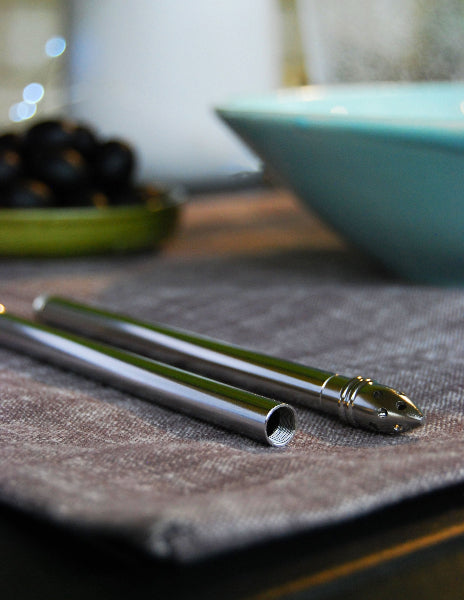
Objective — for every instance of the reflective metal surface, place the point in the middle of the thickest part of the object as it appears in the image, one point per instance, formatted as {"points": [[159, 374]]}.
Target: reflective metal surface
{"points": [[357, 401], [261, 418]]}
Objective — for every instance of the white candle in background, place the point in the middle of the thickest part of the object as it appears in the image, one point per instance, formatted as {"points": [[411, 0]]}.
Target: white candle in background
{"points": [[152, 71]]}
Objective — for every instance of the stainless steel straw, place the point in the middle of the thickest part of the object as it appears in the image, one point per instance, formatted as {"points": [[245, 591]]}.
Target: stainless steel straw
{"points": [[358, 401], [247, 413]]}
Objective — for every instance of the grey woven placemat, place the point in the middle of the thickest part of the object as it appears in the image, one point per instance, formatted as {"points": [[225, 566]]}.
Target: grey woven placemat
{"points": [[86, 455]]}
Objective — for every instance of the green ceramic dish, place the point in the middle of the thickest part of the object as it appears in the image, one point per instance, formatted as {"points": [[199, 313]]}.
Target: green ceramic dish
{"points": [[86, 231], [382, 163]]}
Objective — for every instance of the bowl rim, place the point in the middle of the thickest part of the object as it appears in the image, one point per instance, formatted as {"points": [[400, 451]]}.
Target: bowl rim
{"points": [[275, 106]]}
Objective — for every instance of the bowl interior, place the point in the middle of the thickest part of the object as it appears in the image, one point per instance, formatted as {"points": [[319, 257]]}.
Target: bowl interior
{"points": [[401, 102]]}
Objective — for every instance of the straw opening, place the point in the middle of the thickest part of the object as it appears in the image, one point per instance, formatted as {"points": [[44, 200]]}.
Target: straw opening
{"points": [[280, 425]]}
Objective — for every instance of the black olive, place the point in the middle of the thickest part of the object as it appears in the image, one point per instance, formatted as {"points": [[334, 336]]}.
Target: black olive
{"points": [[43, 138], [114, 164], [10, 167], [84, 141], [28, 193], [126, 195], [49, 134], [69, 162], [10, 141], [86, 197], [63, 170], [99, 199]]}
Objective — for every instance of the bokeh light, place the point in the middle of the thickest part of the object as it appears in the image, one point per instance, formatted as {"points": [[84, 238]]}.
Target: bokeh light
{"points": [[55, 46], [22, 111], [33, 93]]}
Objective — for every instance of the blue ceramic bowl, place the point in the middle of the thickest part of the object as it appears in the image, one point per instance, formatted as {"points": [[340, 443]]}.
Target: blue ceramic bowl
{"points": [[382, 163]]}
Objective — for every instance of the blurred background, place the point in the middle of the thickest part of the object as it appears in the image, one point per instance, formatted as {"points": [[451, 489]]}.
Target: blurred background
{"points": [[151, 71]]}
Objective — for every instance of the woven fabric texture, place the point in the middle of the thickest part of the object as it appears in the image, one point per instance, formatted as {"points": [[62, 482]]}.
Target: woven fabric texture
{"points": [[85, 455]]}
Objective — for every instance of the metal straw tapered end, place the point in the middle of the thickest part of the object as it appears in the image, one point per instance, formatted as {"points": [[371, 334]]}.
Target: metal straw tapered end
{"points": [[384, 409]]}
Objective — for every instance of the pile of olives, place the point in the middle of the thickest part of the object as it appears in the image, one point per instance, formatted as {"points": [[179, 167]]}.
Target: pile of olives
{"points": [[57, 163]]}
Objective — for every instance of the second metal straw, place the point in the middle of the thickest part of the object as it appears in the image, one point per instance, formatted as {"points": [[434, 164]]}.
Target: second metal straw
{"points": [[358, 401], [258, 417]]}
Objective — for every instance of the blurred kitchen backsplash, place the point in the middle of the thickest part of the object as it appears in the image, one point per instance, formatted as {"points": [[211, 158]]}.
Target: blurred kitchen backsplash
{"points": [[382, 40], [152, 71]]}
